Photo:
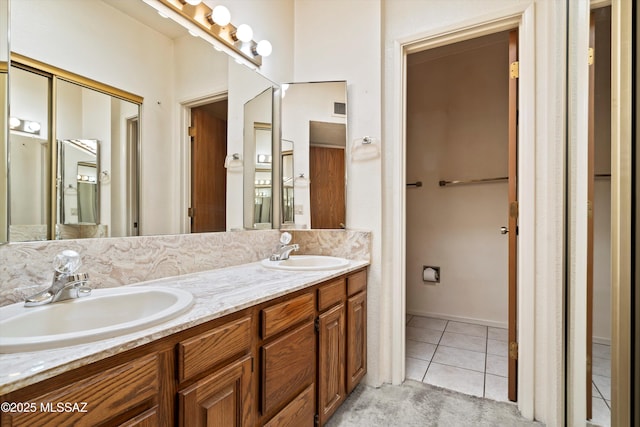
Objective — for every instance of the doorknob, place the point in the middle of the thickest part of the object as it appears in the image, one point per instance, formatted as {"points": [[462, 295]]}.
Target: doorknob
{"points": [[504, 230]]}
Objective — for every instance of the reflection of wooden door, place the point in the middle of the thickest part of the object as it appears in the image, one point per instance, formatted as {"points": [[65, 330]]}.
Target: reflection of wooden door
{"points": [[513, 215], [208, 175], [327, 187], [590, 230]]}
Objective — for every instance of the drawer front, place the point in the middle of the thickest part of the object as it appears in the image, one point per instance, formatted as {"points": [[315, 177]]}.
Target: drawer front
{"points": [[298, 413], [288, 363], [356, 282], [331, 293], [96, 399], [281, 316], [199, 353]]}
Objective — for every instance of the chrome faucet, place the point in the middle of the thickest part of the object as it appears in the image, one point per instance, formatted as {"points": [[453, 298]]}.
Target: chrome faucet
{"points": [[66, 283], [284, 249]]}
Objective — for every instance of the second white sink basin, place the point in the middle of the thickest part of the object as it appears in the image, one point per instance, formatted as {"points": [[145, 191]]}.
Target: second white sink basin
{"points": [[307, 263], [105, 313]]}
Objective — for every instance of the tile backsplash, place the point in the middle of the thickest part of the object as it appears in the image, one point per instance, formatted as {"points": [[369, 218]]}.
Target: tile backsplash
{"points": [[25, 268]]}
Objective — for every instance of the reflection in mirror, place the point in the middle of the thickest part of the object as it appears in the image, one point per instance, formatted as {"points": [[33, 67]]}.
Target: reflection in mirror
{"points": [[286, 148], [139, 52], [78, 194], [4, 104], [314, 117], [258, 158], [63, 203], [29, 148]]}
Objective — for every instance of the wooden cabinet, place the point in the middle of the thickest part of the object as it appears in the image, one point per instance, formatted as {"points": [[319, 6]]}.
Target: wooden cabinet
{"points": [[331, 361], [222, 399], [356, 339], [287, 362], [126, 394]]}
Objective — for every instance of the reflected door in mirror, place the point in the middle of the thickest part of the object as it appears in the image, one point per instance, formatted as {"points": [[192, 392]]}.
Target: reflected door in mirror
{"points": [[327, 187], [208, 176]]}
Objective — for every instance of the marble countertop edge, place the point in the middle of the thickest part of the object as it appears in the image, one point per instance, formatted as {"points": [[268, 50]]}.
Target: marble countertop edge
{"points": [[217, 293]]}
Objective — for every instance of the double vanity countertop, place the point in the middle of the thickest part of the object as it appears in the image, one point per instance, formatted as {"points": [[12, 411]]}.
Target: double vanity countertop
{"points": [[216, 293]]}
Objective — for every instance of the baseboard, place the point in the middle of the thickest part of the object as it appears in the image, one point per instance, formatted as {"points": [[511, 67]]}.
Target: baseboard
{"points": [[483, 322]]}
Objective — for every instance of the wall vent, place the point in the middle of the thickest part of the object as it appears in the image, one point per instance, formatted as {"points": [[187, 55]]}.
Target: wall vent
{"points": [[340, 108]]}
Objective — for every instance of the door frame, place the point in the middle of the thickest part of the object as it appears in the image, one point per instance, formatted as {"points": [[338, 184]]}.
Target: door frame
{"points": [[185, 154], [519, 17]]}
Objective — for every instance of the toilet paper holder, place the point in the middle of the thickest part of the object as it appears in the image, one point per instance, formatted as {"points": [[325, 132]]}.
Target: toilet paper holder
{"points": [[430, 274]]}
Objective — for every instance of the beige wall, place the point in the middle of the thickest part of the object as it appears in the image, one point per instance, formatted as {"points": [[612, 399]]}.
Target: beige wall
{"points": [[457, 130]]}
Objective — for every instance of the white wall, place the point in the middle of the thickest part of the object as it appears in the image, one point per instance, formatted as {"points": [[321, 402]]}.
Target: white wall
{"points": [[340, 40], [541, 374], [457, 121]]}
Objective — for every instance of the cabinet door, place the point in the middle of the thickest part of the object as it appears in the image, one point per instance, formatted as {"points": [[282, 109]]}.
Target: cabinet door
{"points": [[288, 365], [331, 361], [222, 399], [356, 339]]}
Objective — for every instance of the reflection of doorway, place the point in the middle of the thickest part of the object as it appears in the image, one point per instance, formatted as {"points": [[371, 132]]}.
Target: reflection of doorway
{"points": [[326, 189], [599, 222], [208, 133], [461, 331]]}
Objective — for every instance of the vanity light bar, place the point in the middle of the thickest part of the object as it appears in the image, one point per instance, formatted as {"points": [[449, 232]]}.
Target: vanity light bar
{"points": [[22, 125], [200, 17]]}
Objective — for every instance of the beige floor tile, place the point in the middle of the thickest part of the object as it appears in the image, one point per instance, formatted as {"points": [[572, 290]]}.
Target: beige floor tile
{"points": [[458, 379], [416, 368], [467, 359], [420, 350], [428, 323], [497, 365], [496, 388], [422, 334], [465, 342], [604, 385], [498, 334], [467, 328], [601, 415], [499, 348]]}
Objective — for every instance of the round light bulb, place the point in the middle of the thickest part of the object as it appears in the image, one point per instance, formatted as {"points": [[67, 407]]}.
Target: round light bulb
{"points": [[244, 33], [264, 48], [221, 15], [33, 126], [14, 122], [193, 2]]}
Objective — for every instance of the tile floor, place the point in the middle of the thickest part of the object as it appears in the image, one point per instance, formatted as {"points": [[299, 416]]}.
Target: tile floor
{"points": [[601, 388], [472, 359], [464, 357]]}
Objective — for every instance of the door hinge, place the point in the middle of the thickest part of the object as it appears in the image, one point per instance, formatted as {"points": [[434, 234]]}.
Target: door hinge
{"points": [[252, 364], [591, 57], [316, 324], [316, 419], [191, 212], [589, 209], [514, 69], [513, 350], [513, 210], [192, 131]]}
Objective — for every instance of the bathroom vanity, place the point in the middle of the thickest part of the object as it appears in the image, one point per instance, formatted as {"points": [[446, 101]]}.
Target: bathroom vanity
{"points": [[283, 349]]}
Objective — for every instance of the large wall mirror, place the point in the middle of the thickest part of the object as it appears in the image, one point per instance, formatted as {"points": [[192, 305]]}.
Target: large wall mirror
{"points": [[143, 149], [314, 138]]}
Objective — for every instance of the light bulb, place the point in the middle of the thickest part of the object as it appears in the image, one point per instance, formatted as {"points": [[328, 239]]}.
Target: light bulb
{"points": [[193, 2], [244, 33], [221, 15], [264, 48], [33, 126], [14, 122]]}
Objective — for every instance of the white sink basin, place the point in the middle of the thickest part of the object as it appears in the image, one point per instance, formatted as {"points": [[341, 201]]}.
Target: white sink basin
{"points": [[307, 263], [105, 313]]}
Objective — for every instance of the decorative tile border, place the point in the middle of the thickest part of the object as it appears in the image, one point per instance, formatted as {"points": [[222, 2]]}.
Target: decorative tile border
{"points": [[25, 268]]}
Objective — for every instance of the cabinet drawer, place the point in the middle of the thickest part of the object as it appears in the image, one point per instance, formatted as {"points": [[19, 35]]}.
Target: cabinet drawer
{"points": [[107, 395], [331, 293], [199, 353], [150, 418], [298, 413], [356, 282], [281, 316], [288, 364]]}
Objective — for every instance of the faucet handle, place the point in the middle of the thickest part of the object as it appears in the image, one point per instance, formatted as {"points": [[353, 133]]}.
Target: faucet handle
{"points": [[285, 238], [67, 262]]}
